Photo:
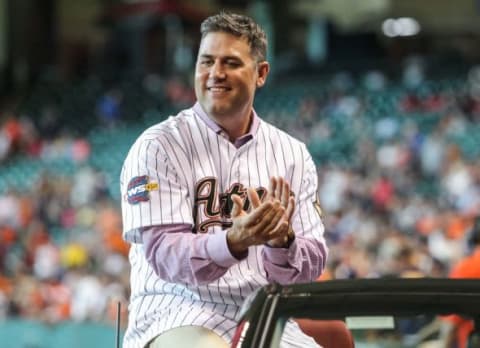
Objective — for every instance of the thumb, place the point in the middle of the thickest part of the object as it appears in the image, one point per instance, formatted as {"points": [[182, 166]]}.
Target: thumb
{"points": [[237, 205]]}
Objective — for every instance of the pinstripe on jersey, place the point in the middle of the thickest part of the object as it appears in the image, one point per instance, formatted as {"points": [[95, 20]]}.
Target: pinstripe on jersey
{"points": [[185, 161]]}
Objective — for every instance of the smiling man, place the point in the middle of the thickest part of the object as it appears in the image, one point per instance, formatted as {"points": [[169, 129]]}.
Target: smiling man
{"points": [[229, 101], [217, 203]]}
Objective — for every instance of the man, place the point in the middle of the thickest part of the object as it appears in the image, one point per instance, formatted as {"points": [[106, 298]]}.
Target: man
{"points": [[217, 203]]}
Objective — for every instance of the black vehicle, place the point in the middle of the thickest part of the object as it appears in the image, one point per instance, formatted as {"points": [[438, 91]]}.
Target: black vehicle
{"points": [[396, 312]]}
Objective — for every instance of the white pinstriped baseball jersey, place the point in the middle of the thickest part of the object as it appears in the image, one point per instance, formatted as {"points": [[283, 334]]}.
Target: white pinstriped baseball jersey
{"points": [[167, 178]]}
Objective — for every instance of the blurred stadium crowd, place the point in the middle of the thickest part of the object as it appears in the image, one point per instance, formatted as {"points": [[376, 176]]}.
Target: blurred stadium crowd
{"points": [[399, 178]]}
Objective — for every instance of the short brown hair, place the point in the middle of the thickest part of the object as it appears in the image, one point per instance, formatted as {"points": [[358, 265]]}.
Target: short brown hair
{"points": [[240, 26]]}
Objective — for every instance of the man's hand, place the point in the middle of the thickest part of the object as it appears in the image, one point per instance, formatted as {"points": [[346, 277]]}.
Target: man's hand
{"points": [[267, 222], [280, 189]]}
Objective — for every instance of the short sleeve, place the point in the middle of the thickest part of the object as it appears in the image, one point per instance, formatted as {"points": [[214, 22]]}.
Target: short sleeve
{"points": [[153, 190]]}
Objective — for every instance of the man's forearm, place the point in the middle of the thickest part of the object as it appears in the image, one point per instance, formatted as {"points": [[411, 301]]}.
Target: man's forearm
{"points": [[303, 261], [178, 255]]}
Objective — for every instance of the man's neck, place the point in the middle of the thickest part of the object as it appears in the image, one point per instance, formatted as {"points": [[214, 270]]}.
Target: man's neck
{"points": [[236, 127], [233, 126]]}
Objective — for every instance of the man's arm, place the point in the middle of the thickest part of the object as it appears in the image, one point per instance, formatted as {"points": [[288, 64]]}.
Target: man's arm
{"points": [[156, 212], [178, 255], [304, 259]]}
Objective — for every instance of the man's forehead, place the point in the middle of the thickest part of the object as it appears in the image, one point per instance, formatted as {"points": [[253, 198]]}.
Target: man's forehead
{"points": [[223, 40]]}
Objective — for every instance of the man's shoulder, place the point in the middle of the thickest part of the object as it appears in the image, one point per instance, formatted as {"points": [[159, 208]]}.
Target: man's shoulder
{"points": [[279, 134], [171, 125]]}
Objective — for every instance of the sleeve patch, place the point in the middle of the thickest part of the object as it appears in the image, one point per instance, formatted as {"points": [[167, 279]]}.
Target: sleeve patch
{"points": [[138, 189]]}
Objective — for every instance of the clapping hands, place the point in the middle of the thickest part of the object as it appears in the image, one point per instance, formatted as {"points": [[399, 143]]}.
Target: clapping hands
{"points": [[268, 222]]}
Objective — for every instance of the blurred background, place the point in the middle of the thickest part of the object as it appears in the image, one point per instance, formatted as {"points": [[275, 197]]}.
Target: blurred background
{"points": [[386, 94]]}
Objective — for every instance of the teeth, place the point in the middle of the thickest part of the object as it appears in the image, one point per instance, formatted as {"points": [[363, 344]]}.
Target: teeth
{"points": [[217, 89]]}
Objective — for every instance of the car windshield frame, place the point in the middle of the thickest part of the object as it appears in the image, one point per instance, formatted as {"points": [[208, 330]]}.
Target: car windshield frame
{"points": [[271, 306]]}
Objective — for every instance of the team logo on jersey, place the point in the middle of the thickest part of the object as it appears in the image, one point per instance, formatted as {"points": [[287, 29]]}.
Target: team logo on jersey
{"points": [[216, 206], [138, 189]]}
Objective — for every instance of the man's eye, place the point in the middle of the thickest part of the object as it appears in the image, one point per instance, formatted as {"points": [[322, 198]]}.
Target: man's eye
{"points": [[206, 62], [233, 64]]}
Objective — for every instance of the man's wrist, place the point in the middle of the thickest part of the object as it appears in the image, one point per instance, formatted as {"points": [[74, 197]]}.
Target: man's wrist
{"points": [[236, 249], [291, 236], [287, 241]]}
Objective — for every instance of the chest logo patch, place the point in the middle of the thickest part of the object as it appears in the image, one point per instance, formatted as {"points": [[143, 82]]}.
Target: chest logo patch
{"points": [[139, 189]]}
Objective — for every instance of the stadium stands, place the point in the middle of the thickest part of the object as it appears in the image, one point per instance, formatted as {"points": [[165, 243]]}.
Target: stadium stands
{"points": [[399, 183]]}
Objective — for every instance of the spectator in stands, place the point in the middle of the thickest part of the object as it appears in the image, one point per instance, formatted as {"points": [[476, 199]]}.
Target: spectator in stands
{"points": [[459, 328], [109, 107]]}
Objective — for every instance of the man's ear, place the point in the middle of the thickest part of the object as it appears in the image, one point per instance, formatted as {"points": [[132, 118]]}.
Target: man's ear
{"points": [[263, 68]]}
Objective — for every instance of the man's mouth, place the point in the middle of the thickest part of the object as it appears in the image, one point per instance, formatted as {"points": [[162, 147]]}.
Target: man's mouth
{"points": [[218, 89]]}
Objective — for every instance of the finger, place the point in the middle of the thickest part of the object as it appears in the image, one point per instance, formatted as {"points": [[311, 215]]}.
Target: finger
{"points": [[279, 234], [269, 221], [258, 213], [272, 188], [253, 197], [279, 190], [237, 205], [290, 208], [285, 193]]}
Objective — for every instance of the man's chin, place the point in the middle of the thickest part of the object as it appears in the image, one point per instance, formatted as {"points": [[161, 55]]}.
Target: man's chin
{"points": [[218, 111]]}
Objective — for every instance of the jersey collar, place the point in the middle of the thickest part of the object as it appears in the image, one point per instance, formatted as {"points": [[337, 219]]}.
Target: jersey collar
{"points": [[197, 108]]}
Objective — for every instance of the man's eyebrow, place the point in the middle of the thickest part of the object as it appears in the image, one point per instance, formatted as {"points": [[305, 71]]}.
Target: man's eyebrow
{"points": [[211, 56]]}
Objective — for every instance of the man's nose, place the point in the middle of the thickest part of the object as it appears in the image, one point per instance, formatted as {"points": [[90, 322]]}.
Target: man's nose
{"points": [[217, 71]]}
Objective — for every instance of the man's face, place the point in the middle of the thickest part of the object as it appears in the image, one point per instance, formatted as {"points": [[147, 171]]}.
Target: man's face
{"points": [[227, 75]]}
